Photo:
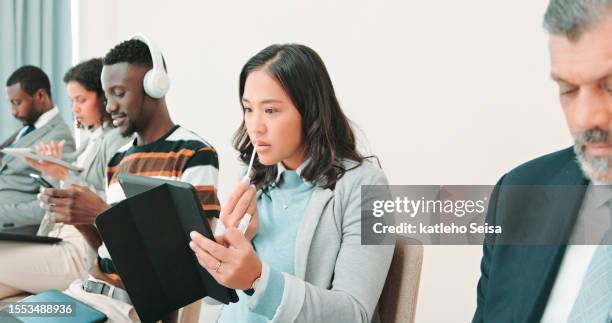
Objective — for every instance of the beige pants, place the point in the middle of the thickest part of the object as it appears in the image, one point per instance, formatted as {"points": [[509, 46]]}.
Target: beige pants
{"points": [[116, 311], [120, 312], [34, 268]]}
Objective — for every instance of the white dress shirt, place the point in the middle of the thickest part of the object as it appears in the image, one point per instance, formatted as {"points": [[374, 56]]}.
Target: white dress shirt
{"points": [[46, 117]]}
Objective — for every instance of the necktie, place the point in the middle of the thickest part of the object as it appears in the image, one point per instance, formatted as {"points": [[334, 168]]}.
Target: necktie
{"points": [[25, 130], [594, 301], [28, 129]]}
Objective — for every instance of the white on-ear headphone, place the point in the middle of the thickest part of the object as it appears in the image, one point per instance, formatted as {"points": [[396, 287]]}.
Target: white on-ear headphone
{"points": [[156, 82]]}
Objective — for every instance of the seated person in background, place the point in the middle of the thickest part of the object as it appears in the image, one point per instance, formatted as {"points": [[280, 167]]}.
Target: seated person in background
{"points": [[160, 148], [569, 279], [32, 267], [29, 93], [89, 107]]}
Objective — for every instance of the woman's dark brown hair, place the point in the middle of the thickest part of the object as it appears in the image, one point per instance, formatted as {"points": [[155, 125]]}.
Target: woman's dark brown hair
{"points": [[87, 74], [329, 138]]}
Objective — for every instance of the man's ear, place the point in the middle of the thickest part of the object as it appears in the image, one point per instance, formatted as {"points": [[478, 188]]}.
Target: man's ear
{"points": [[39, 95]]}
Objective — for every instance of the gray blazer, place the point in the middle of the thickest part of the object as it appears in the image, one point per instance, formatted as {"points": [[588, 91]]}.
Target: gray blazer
{"points": [[93, 175], [94, 167], [336, 278], [18, 204]]}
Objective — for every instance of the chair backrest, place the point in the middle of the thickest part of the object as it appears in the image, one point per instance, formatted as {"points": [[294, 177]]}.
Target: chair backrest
{"points": [[399, 296], [189, 313], [186, 314]]}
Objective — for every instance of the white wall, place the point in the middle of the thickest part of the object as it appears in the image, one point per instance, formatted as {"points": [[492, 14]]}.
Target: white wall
{"points": [[446, 92]]}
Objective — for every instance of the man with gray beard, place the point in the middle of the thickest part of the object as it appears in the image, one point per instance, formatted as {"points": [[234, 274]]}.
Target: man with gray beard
{"points": [[568, 279]]}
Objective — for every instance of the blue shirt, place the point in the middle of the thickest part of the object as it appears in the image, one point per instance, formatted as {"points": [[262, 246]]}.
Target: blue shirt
{"points": [[280, 210]]}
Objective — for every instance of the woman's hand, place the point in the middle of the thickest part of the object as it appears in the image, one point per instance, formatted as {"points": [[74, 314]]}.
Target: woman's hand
{"points": [[243, 200], [231, 260], [52, 149], [54, 171]]}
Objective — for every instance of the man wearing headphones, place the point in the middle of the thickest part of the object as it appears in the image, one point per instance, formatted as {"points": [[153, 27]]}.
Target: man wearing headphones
{"points": [[135, 82]]}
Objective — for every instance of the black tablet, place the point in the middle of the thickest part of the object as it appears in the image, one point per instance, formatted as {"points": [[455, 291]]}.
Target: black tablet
{"points": [[147, 236], [26, 234], [28, 238], [133, 185]]}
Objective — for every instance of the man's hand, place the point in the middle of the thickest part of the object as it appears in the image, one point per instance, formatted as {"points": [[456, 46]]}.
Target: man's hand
{"points": [[75, 205]]}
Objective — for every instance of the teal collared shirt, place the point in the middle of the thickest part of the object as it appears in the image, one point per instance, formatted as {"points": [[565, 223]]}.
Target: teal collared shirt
{"points": [[280, 210]]}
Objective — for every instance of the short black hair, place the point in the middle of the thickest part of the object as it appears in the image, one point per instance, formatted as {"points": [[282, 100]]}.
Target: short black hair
{"points": [[131, 51], [87, 74], [31, 79]]}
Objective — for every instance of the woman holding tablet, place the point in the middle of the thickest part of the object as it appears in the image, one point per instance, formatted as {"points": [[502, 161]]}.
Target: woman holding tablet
{"points": [[305, 262], [33, 268]]}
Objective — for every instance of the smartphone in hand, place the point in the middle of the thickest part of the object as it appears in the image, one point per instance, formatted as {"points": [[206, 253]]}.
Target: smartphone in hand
{"points": [[41, 180]]}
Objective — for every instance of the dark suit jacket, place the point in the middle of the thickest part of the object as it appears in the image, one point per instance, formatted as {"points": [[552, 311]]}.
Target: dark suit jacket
{"points": [[516, 280]]}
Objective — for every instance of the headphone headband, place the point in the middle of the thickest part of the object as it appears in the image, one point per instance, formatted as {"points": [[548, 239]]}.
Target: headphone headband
{"points": [[156, 82], [156, 56]]}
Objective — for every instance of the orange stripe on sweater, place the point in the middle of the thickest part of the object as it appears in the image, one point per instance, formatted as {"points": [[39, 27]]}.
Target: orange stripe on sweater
{"points": [[183, 152]]}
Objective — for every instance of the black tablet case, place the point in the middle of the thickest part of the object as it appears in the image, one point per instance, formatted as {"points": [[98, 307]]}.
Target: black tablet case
{"points": [[147, 236]]}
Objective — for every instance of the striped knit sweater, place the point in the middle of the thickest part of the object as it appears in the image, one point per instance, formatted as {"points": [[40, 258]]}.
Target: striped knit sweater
{"points": [[180, 155]]}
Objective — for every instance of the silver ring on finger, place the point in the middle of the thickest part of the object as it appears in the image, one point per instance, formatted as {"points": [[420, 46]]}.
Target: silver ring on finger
{"points": [[53, 215], [217, 267], [49, 208]]}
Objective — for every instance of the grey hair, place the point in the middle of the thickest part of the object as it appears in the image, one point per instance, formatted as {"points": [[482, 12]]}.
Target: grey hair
{"points": [[573, 17]]}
